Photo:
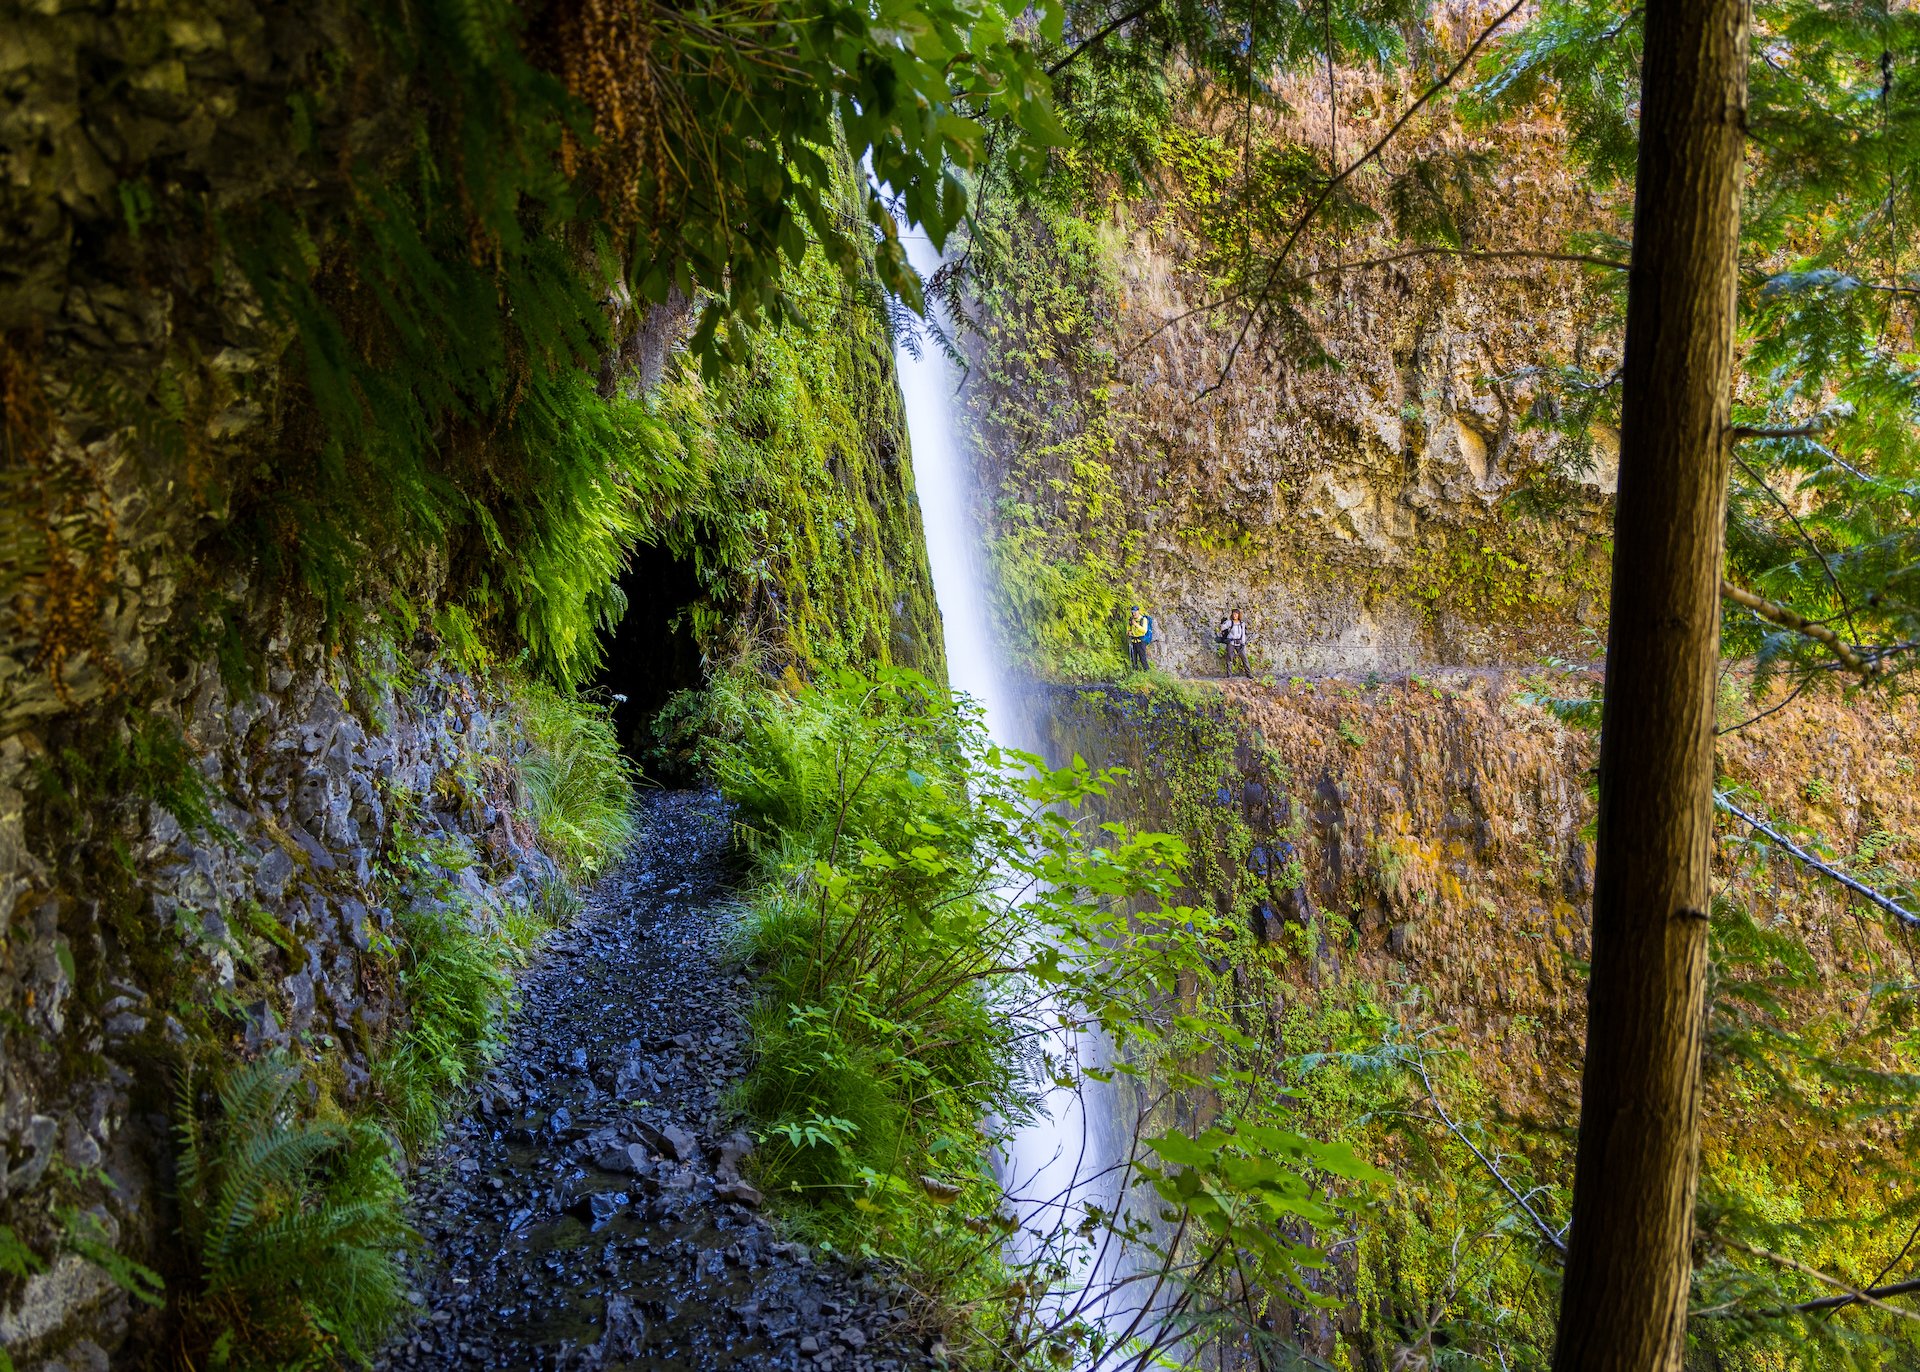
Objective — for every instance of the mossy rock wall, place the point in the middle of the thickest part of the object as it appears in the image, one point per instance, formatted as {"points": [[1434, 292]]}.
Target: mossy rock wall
{"points": [[132, 943], [809, 534], [1376, 489], [1416, 855], [243, 662]]}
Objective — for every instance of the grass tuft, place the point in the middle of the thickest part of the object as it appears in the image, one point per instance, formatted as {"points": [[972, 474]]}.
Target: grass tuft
{"points": [[458, 991], [578, 784]]}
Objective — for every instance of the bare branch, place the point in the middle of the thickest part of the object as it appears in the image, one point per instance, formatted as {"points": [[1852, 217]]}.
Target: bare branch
{"points": [[1805, 537], [1340, 178], [1139, 12], [1742, 432], [1271, 288], [1773, 709], [1547, 1231], [1854, 884], [1889, 290], [1870, 1297], [1847, 655], [1899, 1288]]}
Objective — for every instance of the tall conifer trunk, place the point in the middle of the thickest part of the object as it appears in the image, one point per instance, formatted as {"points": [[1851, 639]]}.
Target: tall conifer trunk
{"points": [[1624, 1306]]}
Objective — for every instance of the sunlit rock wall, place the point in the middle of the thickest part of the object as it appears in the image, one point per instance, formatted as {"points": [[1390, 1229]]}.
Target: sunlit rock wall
{"points": [[1408, 868], [1376, 486], [1437, 832]]}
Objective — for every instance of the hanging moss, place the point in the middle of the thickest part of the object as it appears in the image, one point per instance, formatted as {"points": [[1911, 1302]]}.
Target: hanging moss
{"points": [[807, 537]]}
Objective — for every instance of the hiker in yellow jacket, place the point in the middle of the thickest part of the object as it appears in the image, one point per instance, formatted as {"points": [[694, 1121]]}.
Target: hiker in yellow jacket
{"points": [[1139, 635]]}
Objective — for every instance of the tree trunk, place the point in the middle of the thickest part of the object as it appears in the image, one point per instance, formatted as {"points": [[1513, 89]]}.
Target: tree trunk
{"points": [[1624, 1304]]}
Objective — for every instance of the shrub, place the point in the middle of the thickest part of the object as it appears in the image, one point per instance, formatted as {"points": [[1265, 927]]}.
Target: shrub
{"points": [[854, 758], [296, 1224], [579, 786], [934, 909], [457, 992]]}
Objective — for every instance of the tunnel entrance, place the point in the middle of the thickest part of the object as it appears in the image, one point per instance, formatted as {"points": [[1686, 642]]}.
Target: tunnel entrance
{"points": [[652, 652]]}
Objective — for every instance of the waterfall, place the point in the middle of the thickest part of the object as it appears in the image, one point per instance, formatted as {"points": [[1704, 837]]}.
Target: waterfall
{"points": [[943, 480], [1070, 1155]]}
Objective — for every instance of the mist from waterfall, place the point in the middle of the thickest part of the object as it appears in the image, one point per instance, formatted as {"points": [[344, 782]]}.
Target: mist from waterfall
{"points": [[1071, 1155]]}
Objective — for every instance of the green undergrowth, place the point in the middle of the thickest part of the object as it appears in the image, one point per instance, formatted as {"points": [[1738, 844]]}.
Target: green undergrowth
{"points": [[1443, 1267], [438, 316], [871, 1079], [807, 538], [578, 782], [451, 962], [930, 907], [1437, 1268], [294, 1223], [291, 1203]]}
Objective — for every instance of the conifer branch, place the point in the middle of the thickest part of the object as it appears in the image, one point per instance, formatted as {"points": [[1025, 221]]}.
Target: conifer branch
{"points": [[1847, 655], [1100, 36], [1854, 884], [1825, 566]]}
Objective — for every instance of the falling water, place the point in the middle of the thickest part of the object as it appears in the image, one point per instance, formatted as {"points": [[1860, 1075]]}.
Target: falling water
{"points": [[941, 477], [1070, 1155]]}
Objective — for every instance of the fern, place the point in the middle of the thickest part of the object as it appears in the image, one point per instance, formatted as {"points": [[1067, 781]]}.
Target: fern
{"points": [[16, 1259], [294, 1224], [457, 992]]}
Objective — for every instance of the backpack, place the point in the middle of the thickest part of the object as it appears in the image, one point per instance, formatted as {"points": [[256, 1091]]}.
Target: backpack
{"points": [[1149, 637]]}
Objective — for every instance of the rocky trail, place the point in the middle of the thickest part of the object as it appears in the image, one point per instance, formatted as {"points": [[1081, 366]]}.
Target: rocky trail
{"points": [[590, 1211]]}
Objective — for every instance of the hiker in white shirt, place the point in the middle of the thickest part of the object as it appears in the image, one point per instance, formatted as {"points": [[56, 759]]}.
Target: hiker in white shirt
{"points": [[1233, 634]]}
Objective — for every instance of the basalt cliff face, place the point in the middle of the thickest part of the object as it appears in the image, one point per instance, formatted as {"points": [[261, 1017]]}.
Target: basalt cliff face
{"points": [[1370, 475], [137, 944], [1409, 864]]}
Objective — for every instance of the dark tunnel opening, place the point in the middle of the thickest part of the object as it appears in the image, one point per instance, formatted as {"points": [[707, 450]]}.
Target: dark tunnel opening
{"points": [[652, 652]]}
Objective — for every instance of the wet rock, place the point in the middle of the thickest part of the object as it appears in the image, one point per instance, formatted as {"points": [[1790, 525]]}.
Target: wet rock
{"points": [[670, 1141], [730, 1155], [37, 1143], [582, 1236], [597, 1207], [275, 870]]}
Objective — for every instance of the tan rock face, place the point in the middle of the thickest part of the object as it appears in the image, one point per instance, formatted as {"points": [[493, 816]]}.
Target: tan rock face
{"points": [[1436, 833], [1376, 489]]}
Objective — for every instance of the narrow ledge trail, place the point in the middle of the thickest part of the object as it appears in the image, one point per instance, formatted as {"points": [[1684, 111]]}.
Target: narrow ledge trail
{"points": [[588, 1212]]}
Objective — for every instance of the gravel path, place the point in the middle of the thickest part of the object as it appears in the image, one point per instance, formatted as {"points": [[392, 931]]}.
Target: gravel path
{"points": [[590, 1211]]}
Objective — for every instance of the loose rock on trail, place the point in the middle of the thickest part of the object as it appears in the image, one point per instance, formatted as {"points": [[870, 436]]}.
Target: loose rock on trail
{"points": [[590, 1211]]}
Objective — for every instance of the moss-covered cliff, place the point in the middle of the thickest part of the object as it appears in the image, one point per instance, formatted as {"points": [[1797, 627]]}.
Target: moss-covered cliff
{"points": [[1409, 861], [335, 443], [1379, 485]]}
